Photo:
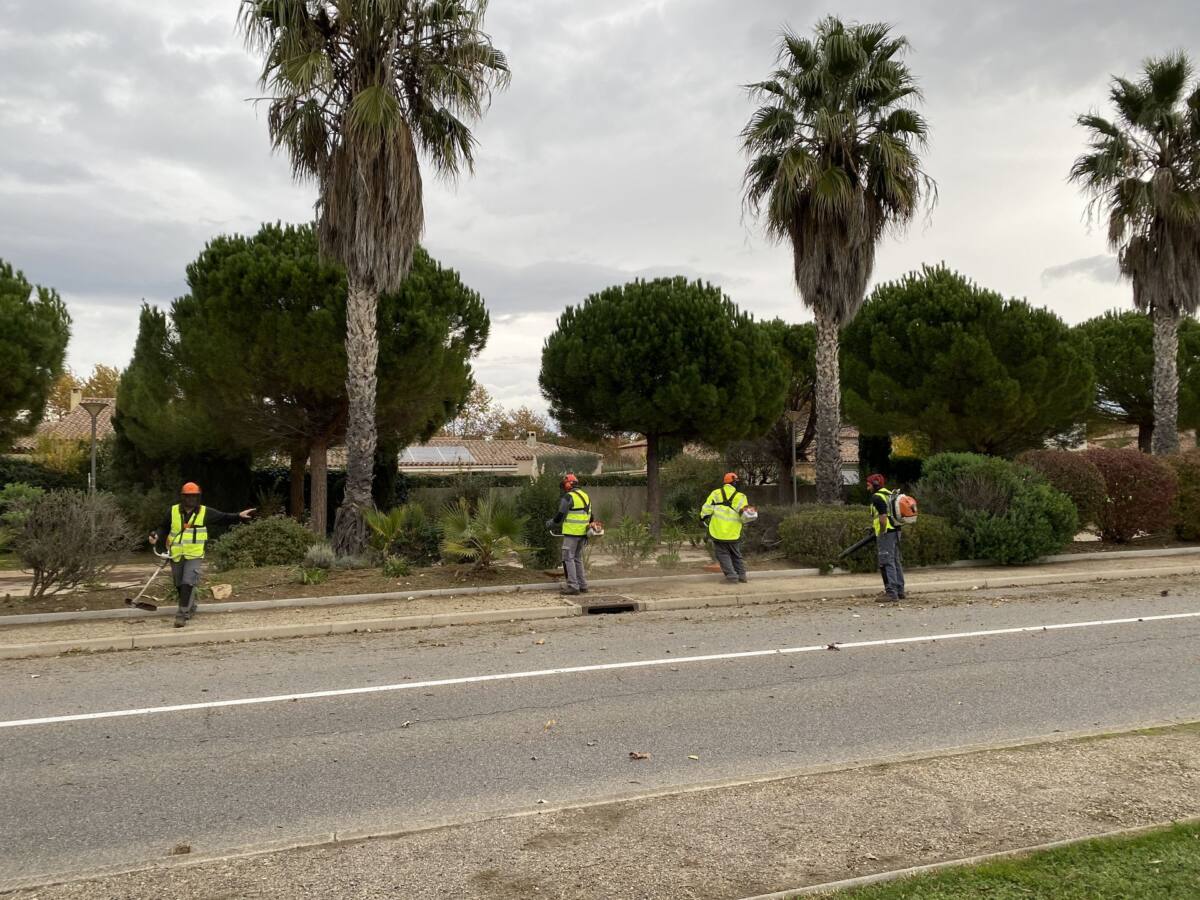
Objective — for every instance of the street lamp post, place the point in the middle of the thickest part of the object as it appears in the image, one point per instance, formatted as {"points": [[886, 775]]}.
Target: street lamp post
{"points": [[94, 408]]}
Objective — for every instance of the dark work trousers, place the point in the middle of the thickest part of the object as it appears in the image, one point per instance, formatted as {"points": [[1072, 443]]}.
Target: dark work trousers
{"points": [[572, 558], [891, 567], [729, 555], [186, 573]]}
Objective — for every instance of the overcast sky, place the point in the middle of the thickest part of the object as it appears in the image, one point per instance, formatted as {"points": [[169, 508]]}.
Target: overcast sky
{"points": [[126, 142]]}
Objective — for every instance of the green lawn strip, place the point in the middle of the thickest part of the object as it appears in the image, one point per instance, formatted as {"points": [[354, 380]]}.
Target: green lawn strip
{"points": [[1162, 864]]}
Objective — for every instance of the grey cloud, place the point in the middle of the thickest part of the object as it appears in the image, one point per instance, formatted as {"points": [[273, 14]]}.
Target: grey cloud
{"points": [[1103, 269]]}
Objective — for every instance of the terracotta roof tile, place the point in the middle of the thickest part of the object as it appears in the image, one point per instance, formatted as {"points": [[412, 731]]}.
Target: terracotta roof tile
{"points": [[74, 426], [486, 454]]}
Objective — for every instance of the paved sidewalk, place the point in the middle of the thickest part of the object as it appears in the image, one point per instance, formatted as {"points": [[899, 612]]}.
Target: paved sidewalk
{"points": [[19, 641], [727, 842]]}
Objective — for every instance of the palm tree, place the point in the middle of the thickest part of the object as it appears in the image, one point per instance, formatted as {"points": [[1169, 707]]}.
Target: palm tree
{"points": [[834, 164], [357, 88], [1142, 173]]}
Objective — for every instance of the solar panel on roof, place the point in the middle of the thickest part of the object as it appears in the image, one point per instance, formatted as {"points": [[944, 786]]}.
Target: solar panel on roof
{"points": [[436, 454]]}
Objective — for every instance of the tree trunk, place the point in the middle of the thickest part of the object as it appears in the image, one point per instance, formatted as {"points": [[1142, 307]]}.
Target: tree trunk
{"points": [[829, 412], [319, 473], [296, 484], [653, 491], [1146, 437], [362, 357], [1166, 383]]}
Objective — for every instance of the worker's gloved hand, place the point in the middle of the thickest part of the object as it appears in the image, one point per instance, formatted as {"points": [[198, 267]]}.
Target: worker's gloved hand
{"points": [[152, 539]]}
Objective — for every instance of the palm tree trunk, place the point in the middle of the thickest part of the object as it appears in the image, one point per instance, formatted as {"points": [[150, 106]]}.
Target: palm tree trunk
{"points": [[829, 411], [296, 484], [319, 472], [653, 491], [362, 357], [1166, 383]]}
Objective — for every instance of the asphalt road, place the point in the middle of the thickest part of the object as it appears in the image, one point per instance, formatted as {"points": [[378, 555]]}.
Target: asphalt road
{"points": [[77, 795]]}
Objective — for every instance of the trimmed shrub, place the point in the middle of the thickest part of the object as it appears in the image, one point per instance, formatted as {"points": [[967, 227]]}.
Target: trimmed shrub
{"points": [[1001, 511], [630, 542], [396, 567], [1074, 475], [1187, 500], [816, 535], [1140, 494], [277, 541], [70, 538]]}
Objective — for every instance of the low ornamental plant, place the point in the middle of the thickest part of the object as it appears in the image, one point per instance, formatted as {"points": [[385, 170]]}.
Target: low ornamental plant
{"points": [[71, 538], [482, 535], [1140, 493]]}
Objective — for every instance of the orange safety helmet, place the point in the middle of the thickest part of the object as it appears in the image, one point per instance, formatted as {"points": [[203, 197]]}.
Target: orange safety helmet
{"points": [[731, 478], [190, 488], [875, 482], [569, 481]]}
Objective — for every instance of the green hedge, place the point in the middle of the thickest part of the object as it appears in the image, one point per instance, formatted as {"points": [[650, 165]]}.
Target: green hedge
{"points": [[1002, 511], [1187, 500], [277, 541], [815, 535], [15, 470]]}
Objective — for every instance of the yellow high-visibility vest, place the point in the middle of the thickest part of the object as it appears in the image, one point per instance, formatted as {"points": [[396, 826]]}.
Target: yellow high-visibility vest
{"points": [[724, 513], [576, 522], [187, 539]]}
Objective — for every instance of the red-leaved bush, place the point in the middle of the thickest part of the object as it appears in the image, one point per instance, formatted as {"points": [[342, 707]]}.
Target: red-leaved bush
{"points": [[1139, 497], [1074, 475], [1187, 502]]}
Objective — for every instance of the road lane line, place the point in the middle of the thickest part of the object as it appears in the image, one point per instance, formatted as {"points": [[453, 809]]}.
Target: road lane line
{"points": [[598, 667]]}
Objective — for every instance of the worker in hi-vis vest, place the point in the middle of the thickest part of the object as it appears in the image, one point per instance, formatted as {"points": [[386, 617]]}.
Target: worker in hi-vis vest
{"points": [[575, 517], [185, 533], [722, 513], [887, 540]]}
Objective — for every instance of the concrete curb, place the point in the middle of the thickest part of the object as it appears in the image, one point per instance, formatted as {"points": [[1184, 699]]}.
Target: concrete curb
{"points": [[355, 836], [846, 884], [188, 637], [389, 597], [537, 587]]}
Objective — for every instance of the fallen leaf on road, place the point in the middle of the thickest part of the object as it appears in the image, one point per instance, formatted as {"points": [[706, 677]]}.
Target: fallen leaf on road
{"points": [[1165, 594], [872, 856], [181, 849], [550, 724], [405, 724], [832, 647], [35, 676], [591, 743], [634, 754], [539, 643], [693, 757], [541, 802]]}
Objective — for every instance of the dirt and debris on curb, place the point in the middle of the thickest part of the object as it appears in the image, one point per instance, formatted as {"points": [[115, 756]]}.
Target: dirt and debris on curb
{"points": [[731, 842]]}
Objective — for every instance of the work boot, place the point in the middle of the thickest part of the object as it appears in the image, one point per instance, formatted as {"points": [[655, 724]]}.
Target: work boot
{"points": [[887, 598], [181, 619], [731, 579], [569, 591], [583, 590], [742, 579]]}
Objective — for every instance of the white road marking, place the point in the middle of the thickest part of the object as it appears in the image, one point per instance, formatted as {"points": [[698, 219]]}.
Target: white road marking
{"points": [[575, 670]]}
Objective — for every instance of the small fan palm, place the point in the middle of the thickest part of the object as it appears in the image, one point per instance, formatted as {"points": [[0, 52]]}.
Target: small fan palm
{"points": [[390, 528], [1142, 173], [481, 536], [357, 88], [834, 163]]}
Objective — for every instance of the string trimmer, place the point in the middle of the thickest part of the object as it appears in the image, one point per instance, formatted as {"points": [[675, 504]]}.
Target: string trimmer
{"points": [[137, 602]]}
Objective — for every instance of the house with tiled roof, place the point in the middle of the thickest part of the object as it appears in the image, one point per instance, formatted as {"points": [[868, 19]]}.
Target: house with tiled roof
{"points": [[486, 456], [75, 426]]}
